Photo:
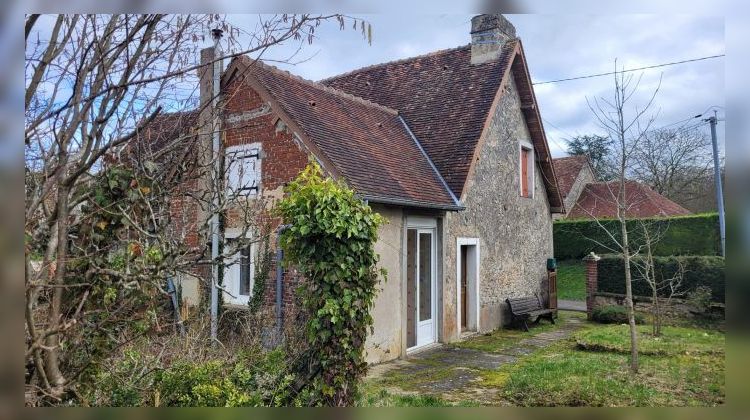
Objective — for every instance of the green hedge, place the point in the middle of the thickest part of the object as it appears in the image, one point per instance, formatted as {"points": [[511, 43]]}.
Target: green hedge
{"points": [[699, 271], [614, 314], [685, 235]]}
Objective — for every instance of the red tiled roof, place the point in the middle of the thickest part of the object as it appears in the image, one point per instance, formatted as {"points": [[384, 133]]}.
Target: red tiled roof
{"points": [[368, 144], [446, 101], [599, 200], [567, 170]]}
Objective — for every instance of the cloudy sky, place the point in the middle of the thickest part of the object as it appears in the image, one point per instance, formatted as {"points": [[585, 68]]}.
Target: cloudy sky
{"points": [[557, 46]]}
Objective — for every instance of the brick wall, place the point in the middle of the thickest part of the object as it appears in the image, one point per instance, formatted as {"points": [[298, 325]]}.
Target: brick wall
{"points": [[248, 119], [591, 282]]}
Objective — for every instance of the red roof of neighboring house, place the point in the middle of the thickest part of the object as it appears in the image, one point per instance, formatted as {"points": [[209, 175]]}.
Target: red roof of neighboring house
{"points": [[446, 101], [599, 200], [567, 170], [367, 143]]}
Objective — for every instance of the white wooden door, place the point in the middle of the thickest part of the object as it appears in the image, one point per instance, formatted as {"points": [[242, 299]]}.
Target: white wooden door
{"points": [[426, 267]]}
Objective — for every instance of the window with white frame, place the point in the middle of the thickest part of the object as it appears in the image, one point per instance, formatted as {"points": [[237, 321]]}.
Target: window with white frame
{"points": [[526, 169], [243, 169], [239, 273]]}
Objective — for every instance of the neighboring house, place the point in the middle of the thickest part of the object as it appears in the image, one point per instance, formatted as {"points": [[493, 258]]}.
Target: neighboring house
{"points": [[573, 174], [449, 147], [587, 198]]}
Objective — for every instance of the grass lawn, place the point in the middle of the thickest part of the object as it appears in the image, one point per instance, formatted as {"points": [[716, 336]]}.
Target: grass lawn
{"points": [[571, 280], [380, 397], [683, 367]]}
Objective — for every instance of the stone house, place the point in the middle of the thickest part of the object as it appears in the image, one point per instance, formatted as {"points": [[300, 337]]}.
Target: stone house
{"points": [[585, 197], [449, 147]]}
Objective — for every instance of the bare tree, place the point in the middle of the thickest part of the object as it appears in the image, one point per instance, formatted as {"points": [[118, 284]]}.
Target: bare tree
{"points": [[626, 127], [671, 161], [663, 290], [101, 185]]}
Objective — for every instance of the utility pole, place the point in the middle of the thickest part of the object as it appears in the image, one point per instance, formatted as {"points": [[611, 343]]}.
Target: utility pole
{"points": [[217, 33], [717, 180]]}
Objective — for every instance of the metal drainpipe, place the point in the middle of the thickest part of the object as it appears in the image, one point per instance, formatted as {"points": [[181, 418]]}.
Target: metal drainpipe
{"points": [[279, 275], [217, 172]]}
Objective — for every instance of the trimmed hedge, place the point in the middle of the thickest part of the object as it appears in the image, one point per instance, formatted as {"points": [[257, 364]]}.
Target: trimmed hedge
{"points": [[685, 235], [614, 314], [699, 271]]}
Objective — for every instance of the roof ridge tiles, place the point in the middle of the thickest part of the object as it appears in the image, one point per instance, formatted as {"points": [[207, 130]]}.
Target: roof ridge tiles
{"points": [[320, 86]]}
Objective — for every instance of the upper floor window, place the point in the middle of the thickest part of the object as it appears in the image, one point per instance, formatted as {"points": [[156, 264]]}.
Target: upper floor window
{"points": [[243, 169], [526, 175]]}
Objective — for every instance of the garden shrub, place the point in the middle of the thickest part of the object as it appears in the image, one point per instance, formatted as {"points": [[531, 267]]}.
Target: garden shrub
{"points": [[251, 378], [330, 241], [683, 235], [614, 314], [699, 271], [209, 384]]}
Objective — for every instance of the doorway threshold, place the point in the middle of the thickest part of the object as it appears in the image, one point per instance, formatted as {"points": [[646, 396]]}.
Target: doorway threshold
{"points": [[468, 334], [416, 350]]}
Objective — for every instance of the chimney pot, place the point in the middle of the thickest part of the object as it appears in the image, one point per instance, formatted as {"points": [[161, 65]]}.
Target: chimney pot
{"points": [[488, 35]]}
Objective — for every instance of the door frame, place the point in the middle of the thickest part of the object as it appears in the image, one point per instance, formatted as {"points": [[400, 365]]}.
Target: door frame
{"points": [[423, 224], [461, 241]]}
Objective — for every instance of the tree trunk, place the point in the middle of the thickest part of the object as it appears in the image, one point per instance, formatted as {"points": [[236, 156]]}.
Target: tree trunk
{"points": [[629, 298], [52, 352]]}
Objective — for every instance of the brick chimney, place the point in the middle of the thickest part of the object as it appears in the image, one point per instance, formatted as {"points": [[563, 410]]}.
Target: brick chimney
{"points": [[206, 73], [488, 34]]}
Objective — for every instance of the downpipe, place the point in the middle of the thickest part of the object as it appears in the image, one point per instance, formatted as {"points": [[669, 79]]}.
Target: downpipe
{"points": [[279, 278]]}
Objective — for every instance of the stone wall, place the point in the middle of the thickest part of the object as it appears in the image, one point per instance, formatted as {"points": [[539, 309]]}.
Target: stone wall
{"points": [[515, 232]]}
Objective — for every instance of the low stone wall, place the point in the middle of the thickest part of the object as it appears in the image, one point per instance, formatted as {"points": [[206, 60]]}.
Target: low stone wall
{"points": [[673, 309], [676, 309]]}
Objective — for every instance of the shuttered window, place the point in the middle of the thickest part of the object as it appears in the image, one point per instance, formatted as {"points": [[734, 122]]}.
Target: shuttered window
{"points": [[243, 169], [526, 172]]}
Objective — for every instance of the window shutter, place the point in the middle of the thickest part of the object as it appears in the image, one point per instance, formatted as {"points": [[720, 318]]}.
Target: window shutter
{"points": [[243, 170], [525, 172]]}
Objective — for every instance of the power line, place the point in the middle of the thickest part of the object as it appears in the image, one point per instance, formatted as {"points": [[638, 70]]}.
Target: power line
{"points": [[629, 70], [564, 132]]}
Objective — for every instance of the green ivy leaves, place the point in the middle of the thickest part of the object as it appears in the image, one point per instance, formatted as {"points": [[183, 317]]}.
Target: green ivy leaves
{"points": [[330, 242]]}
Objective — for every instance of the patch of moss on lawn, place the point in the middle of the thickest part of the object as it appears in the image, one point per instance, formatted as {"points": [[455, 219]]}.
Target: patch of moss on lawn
{"points": [[503, 339], [417, 378]]}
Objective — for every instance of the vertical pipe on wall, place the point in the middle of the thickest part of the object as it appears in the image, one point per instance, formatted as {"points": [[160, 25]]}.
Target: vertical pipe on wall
{"points": [[216, 185]]}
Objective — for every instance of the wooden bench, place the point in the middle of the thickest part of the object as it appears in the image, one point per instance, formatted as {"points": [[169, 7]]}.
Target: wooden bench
{"points": [[525, 309]]}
